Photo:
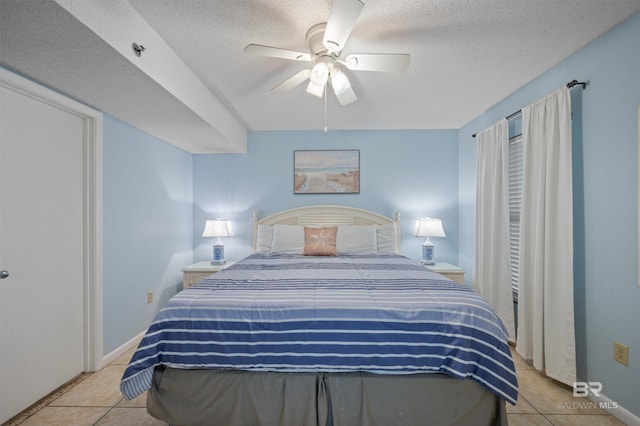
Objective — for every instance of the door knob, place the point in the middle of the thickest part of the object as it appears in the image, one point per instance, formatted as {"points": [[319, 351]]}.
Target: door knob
{"points": [[4, 274]]}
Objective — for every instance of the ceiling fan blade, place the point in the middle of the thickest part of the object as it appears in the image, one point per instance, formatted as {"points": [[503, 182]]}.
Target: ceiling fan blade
{"points": [[385, 62], [276, 52], [342, 18], [342, 87], [293, 81]]}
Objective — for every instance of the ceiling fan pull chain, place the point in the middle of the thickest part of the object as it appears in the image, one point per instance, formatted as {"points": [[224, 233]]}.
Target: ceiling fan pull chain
{"points": [[325, 110]]}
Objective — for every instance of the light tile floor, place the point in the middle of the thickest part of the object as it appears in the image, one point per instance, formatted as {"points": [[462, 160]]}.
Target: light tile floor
{"points": [[95, 399], [542, 401]]}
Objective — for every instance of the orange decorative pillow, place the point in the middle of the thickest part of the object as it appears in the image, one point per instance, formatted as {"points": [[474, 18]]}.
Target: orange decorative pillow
{"points": [[320, 241]]}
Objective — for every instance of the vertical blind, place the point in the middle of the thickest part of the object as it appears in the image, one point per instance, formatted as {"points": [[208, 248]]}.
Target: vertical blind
{"points": [[515, 202]]}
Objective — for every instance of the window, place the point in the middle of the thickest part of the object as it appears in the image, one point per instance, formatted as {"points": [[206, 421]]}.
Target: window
{"points": [[515, 203]]}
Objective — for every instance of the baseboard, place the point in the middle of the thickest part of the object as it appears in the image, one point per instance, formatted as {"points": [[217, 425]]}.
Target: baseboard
{"points": [[615, 409], [109, 358]]}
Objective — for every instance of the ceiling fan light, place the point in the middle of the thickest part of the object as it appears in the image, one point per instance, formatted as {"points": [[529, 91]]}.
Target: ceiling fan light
{"points": [[319, 74], [339, 81], [315, 89]]}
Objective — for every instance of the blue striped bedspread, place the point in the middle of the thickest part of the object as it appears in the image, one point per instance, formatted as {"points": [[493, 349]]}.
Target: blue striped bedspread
{"points": [[377, 314]]}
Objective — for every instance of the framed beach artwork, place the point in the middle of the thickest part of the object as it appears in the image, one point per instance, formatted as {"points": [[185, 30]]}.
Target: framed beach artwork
{"points": [[326, 171]]}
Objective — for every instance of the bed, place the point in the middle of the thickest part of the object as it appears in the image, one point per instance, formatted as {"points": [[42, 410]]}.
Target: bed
{"points": [[333, 327]]}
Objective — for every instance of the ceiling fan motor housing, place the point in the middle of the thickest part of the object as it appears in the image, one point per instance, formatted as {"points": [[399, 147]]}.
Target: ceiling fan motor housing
{"points": [[314, 39]]}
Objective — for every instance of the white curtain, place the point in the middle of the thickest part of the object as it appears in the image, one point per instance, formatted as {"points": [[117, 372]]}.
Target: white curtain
{"points": [[492, 273], [546, 332]]}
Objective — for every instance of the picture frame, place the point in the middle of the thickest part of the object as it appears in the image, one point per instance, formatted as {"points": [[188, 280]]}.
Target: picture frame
{"points": [[326, 171]]}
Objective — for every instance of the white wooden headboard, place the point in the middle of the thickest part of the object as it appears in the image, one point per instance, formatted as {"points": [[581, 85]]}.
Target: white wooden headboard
{"points": [[325, 215]]}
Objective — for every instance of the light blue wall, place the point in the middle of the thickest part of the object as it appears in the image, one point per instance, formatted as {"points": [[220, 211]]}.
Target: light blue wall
{"points": [[413, 172], [607, 296], [147, 215]]}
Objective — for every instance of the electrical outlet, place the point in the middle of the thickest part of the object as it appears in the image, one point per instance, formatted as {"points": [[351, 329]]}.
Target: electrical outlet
{"points": [[149, 296], [621, 353]]}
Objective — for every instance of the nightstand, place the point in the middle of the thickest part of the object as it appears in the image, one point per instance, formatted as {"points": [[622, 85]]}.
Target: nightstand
{"points": [[199, 271], [450, 271]]}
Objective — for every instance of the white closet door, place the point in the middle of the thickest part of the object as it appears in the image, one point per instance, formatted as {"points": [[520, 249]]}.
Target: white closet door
{"points": [[41, 248]]}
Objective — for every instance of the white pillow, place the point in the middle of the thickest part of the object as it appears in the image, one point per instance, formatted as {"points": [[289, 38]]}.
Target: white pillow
{"points": [[264, 236], [287, 239], [359, 239], [387, 239]]}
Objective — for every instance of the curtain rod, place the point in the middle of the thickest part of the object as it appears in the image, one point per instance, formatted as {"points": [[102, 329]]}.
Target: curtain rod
{"points": [[570, 84]]}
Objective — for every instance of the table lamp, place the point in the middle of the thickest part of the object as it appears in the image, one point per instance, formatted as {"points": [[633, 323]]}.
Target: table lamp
{"points": [[218, 228], [428, 227]]}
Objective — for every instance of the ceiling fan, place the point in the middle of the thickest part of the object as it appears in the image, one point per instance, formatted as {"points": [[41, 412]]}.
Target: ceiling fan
{"points": [[326, 41]]}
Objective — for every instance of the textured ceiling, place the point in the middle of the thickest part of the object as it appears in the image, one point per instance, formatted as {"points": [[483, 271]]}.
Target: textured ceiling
{"points": [[466, 55]]}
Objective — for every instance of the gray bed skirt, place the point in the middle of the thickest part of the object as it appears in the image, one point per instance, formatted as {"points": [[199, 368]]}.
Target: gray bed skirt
{"points": [[214, 397]]}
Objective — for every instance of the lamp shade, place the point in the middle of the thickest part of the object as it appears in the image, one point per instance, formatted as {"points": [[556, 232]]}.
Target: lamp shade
{"points": [[428, 227], [217, 228]]}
